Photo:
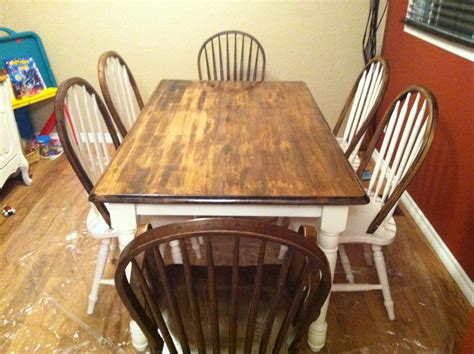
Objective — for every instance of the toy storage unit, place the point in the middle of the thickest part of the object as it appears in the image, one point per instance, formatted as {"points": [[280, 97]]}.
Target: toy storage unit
{"points": [[27, 45], [11, 153]]}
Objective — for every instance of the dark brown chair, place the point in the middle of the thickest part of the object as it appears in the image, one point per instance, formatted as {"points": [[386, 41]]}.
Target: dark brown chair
{"points": [[231, 56], [120, 91], [398, 148], [80, 117], [239, 297], [361, 105]]}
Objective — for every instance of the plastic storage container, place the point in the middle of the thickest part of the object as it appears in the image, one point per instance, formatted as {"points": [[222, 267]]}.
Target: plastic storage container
{"points": [[43, 142], [55, 147]]}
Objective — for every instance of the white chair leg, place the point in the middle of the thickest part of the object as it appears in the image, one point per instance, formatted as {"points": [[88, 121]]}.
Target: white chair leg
{"points": [[201, 240], [368, 255], [196, 247], [176, 252], [346, 264], [98, 274], [282, 253], [162, 250], [383, 278], [114, 249], [293, 225]]}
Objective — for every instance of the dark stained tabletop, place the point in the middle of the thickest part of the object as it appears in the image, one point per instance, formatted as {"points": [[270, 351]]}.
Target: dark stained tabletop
{"points": [[230, 142]]}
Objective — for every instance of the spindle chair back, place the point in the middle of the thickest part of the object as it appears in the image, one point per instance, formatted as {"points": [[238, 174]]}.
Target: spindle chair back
{"points": [[80, 117], [238, 297], [84, 127], [120, 91], [361, 105], [399, 147], [231, 56]]}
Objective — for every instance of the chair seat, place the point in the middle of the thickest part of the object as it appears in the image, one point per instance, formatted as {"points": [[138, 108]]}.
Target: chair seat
{"points": [[356, 161], [245, 289], [96, 225], [359, 219]]}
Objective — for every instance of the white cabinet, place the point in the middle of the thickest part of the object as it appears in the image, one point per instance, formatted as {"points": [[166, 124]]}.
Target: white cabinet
{"points": [[11, 154]]}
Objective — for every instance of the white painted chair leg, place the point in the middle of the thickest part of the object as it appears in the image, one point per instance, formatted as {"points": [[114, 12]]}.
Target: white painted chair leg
{"points": [[196, 247], [201, 240], [282, 253], [383, 278], [162, 250], [98, 274], [114, 249], [368, 255], [139, 341], [176, 252], [293, 225], [346, 264]]}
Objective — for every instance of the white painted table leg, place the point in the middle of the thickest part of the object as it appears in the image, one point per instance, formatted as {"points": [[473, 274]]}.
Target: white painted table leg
{"points": [[333, 222], [124, 221], [139, 341]]}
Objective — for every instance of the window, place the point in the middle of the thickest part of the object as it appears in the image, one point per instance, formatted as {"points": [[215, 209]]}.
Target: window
{"points": [[449, 24], [451, 19]]}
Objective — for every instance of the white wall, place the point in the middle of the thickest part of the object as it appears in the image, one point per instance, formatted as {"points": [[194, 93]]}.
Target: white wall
{"points": [[318, 42]]}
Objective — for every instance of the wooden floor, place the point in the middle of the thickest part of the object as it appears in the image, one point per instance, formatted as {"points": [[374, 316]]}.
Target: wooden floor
{"points": [[47, 260]]}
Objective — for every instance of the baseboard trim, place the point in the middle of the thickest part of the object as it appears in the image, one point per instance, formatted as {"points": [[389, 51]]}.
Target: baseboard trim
{"points": [[447, 258]]}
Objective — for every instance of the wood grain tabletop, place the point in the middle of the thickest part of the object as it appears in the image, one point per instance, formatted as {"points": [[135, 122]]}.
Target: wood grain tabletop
{"points": [[230, 142]]}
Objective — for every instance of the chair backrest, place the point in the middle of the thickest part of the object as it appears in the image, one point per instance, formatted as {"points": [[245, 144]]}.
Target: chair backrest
{"points": [[80, 118], [361, 105], [234, 293], [231, 56], [120, 91], [398, 148]]}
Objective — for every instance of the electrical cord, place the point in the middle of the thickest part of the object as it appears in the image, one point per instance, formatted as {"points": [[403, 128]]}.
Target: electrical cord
{"points": [[369, 42]]}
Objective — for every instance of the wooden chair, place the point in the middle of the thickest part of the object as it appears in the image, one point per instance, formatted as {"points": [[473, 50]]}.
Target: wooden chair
{"points": [[80, 116], [398, 148], [89, 147], [238, 297], [231, 56], [120, 91], [360, 107]]}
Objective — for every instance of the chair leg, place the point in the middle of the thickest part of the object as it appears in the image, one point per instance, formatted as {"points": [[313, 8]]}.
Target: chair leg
{"points": [[368, 255], [383, 278], [196, 247], [114, 249], [162, 249], [346, 264], [98, 274], [176, 252], [282, 252]]}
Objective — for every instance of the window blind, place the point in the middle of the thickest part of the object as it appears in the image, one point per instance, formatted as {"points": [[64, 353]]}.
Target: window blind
{"points": [[451, 19]]}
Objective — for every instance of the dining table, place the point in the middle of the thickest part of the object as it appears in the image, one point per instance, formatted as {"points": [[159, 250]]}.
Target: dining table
{"points": [[232, 149]]}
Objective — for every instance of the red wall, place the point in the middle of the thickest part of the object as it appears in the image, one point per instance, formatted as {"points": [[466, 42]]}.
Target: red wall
{"points": [[443, 187]]}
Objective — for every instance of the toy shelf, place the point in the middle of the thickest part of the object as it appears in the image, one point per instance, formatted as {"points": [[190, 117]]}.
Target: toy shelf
{"points": [[43, 95]]}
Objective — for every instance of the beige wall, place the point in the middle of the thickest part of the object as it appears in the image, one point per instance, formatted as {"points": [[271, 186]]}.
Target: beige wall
{"points": [[318, 42]]}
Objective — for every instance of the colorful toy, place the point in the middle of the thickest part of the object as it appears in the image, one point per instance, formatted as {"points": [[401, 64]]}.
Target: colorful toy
{"points": [[8, 211]]}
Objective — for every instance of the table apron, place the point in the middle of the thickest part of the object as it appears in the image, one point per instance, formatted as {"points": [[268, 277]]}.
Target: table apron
{"points": [[310, 211]]}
